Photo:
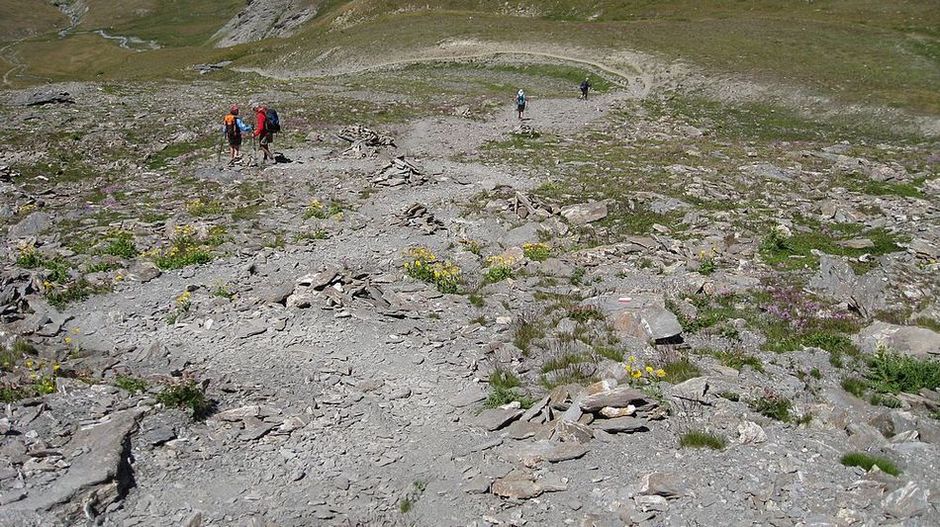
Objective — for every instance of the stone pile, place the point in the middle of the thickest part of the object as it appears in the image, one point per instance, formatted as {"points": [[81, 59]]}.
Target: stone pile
{"points": [[397, 172], [524, 130], [418, 216], [559, 428], [337, 287], [364, 142], [13, 293]]}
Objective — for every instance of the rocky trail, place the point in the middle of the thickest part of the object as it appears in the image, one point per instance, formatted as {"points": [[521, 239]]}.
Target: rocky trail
{"points": [[444, 320]]}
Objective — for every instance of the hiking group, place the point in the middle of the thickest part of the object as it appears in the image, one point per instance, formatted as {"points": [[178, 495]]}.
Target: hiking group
{"points": [[267, 123], [521, 98]]}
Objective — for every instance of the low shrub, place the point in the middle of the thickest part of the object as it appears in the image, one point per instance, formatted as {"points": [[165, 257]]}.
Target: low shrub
{"points": [[422, 264], [186, 395], [538, 252], [890, 372]]}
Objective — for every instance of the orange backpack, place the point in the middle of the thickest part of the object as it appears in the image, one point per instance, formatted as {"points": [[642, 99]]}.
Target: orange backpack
{"points": [[231, 126]]}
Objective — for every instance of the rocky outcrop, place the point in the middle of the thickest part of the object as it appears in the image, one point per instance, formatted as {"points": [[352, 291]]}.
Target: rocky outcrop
{"points": [[262, 19]]}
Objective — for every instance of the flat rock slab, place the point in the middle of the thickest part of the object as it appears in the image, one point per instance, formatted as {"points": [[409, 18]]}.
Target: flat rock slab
{"points": [[837, 280], [621, 425], [49, 97], [101, 454], [497, 418], [533, 454], [695, 389], [582, 213], [516, 489], [470, 395], [31, 225], [249, 329], [619, 397]]}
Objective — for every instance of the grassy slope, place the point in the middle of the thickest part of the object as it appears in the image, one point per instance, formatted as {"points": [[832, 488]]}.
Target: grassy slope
{"points": [[183, 27], [860, 51], [172, 23], [24, 18]]}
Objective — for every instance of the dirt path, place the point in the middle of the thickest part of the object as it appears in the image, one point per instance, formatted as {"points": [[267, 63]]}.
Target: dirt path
{"points": [[13, 59], [637, 81], [385, 398]]}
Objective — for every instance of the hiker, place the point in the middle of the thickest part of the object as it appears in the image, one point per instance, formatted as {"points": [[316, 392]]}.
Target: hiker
{"points": [[267, 125], [585, 86], [520, 102], [232, 127]]}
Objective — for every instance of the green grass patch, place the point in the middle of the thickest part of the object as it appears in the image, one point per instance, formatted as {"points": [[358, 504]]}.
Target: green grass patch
{"points": [[739, 360], [855, 386], [321, 211], [134, 385], [772, 406], [681, 370], [885, 188], [76, 291], [585, 314], [524, 331], [538, 252], [700, 439], [121, 245], [868, 461], [504, 390], [162, 159], [610, 352], [796, 251]]}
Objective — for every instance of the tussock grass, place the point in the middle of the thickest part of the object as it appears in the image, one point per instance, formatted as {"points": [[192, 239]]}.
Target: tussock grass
{"points": [[772, 406], [504, 389], [681, 370], [701, 439], [867, 461]]}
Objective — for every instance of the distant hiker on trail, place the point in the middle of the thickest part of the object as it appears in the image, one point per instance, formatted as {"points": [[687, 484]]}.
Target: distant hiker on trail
{"points": [[520, 103], [267, 125], [585, 86], [232, 127]]}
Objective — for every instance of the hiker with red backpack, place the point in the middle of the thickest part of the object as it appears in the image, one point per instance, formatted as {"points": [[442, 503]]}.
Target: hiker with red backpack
{"points": [[268, 124], [232, 128]]}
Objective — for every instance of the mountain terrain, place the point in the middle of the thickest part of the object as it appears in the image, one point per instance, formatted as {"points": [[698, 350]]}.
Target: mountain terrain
{"points": [[704, 295]]}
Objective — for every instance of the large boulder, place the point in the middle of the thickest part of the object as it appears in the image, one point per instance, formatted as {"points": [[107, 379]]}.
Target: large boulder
{"points": [[837, 280], [639, 315], [31, 225], [582, 213], [907, 340]]}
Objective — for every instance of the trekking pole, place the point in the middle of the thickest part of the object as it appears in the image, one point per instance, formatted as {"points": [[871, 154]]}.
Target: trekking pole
{"points": [[218, 157]]}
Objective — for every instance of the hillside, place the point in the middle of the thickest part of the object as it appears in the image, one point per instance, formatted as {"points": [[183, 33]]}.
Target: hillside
{"points": [[702, 293]]}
